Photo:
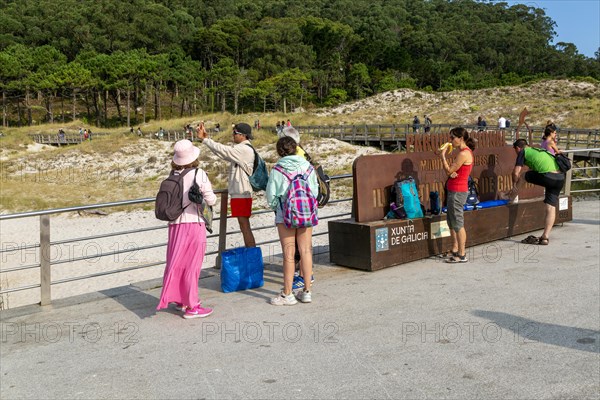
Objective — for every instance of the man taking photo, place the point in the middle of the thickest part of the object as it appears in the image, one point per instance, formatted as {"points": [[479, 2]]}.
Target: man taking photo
{"points": [[241, 158]]}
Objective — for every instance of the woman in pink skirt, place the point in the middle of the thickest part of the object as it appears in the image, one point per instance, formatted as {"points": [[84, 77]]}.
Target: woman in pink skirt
{"points": [[187, 238]]}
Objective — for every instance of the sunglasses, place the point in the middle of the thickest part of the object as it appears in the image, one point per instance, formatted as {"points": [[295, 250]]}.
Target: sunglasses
{"points": [[237, 133]]}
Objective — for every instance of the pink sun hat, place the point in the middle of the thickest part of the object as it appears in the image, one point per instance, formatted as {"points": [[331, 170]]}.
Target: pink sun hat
{"points": [[185, 152]]}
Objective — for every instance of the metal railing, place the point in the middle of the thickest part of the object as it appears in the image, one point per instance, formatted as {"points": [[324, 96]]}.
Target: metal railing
{"points": [[45, 244], [590, 157]]}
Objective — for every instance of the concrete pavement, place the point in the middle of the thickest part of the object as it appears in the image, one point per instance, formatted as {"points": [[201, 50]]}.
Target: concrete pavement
{"points": [[517, 321]]}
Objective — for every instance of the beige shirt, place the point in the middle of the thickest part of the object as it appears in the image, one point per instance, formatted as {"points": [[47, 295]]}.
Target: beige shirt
{"points": [[241, 158]]}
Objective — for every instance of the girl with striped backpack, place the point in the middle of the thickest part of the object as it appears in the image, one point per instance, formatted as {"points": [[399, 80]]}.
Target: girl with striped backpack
{"points": [[291, 193]]}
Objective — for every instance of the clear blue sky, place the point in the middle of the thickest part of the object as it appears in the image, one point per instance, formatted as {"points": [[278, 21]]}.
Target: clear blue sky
{"points": [[577, 21]]}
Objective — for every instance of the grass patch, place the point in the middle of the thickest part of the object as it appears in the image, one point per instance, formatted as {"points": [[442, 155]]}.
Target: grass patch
{"points": [[15, 140], [339, 171], [51, 190], [107, 145]]}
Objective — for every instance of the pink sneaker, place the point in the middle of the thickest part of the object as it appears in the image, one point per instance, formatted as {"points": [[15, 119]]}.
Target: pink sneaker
{"points": [[197, 312]]}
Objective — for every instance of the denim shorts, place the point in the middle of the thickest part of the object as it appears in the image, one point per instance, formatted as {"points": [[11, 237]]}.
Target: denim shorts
{"points": [[279, 215]]}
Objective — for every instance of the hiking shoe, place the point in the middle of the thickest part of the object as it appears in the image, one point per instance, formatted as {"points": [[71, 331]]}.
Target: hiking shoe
{"points": [[283, 300], [448, 254], [298, 282], [457, 259], [197, 312], [304, 296]]}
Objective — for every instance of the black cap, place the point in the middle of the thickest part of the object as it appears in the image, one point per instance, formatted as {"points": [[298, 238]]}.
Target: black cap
{"points": [[244, 129]]}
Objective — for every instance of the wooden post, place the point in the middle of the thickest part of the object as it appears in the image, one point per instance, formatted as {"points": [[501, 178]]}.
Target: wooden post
{"points": [[222, 228], [569, 175], [45, 268]]}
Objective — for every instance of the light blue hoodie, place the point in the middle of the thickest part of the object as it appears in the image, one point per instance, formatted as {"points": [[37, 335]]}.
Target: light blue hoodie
{"points": [[278, 184]]}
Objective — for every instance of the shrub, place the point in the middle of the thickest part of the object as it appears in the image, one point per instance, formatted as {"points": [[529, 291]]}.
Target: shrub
{"points": [[336, 96], [510, 79]]}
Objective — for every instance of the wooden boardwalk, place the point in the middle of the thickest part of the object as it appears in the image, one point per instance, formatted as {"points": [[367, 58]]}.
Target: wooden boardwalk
{"points": [[389, 137], [63, 140]]}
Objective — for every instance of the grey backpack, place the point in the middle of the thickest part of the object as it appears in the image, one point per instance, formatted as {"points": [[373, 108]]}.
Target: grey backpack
{"points": [[169, 200]]}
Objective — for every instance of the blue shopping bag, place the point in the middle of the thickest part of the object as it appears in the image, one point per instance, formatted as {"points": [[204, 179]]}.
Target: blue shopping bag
{"points": [[241, 269]]}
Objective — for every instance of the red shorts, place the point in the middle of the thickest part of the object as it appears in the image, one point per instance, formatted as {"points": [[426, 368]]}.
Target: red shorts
{"points": [[241, 207]]}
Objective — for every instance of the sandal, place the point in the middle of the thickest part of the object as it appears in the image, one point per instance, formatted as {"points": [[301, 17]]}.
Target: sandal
{"points": [[530, 240], [448, 253], [542, 241], [457, 259]]}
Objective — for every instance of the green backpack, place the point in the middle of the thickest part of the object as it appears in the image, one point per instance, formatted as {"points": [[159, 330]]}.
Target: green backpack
{"points": [[260, 175]]}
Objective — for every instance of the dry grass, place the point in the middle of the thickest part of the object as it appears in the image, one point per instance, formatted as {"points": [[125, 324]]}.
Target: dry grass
{"points": [[567, 102], [53, 189], [122, 166]]}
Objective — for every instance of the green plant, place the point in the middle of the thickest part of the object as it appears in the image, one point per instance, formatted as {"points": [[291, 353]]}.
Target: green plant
{"points": [[336, 96]]}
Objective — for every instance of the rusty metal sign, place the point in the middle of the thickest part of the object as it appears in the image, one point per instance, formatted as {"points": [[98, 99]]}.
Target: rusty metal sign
{"points": [[374, 175]]}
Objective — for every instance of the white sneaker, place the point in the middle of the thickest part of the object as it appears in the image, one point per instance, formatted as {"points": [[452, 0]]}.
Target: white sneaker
{"points": [[284, 300], [304, 296]]}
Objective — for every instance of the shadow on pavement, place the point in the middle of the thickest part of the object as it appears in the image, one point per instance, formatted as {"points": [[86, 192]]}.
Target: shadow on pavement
{"points": [[585, 221], [140, 302], [137, 301], [557, 335]]}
